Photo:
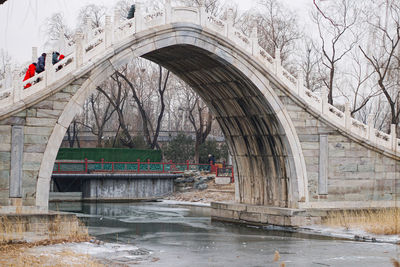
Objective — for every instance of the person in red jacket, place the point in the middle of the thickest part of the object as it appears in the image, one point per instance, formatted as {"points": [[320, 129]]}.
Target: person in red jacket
{"points": [[61, 57], [29, 74]]}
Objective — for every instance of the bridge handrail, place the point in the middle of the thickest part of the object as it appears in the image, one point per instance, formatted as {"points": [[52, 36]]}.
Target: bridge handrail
{"points": [[86, 166], [103, 37]]}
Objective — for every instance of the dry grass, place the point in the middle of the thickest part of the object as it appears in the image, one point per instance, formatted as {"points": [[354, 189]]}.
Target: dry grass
{"points": [[23, 256], [14, 247], [381, 222]]}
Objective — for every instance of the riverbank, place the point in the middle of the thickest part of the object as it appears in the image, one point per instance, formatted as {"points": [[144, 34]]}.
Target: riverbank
{"points": [[177, 233]]}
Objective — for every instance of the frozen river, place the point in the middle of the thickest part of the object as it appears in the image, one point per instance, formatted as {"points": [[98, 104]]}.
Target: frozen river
{"points": [[174, 236]]}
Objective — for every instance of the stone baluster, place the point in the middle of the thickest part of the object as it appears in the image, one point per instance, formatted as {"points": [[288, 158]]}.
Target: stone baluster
{"points": [[62, 42], [371, 129], [393, 136], [347, 116], [79, 49], [139, 14], [34, 54], [8, 77], [49, 69], [87, 29], [229, 22], [17, 86], [116, 23], [203, 13], [300, 83], [324, 100], [168, 12], [278, 62], [254, 39], [108, 32]]}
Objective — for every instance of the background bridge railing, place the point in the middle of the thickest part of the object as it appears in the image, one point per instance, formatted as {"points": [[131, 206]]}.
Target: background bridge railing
{"points": [[86, 166]]}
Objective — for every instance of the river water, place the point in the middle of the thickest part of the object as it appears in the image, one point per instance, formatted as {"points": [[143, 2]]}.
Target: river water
{"points": [[174, 236]]}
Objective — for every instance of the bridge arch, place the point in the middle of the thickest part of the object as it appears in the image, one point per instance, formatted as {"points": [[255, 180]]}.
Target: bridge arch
{"points": [[266, 150]]}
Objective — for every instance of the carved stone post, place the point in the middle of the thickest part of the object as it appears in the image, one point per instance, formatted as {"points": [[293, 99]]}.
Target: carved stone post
{"points": [[254, 39], [87, 29], [139, 17], [324, 99], [229, 22], [79, 49], [17, 86], [393, 136], [116, 23], [62, 42], [300, 83], [8, 77], [371, 129], [278, 63], [168, 12], [108, 32], [203, 13], [34, 54], [49, 68], [347, 116]]}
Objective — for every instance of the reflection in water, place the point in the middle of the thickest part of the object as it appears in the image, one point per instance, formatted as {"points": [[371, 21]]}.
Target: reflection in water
{"points": [[187, 237]]}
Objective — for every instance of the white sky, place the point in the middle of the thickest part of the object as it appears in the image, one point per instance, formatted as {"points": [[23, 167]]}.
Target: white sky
{"points": [[21, 20]]}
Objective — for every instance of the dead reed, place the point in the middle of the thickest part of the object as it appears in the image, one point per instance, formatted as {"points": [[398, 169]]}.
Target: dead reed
{"points": [[381, 222]]}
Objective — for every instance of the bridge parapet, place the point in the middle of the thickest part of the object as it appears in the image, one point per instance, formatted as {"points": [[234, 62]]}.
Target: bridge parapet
{"points": [[96, 42]]}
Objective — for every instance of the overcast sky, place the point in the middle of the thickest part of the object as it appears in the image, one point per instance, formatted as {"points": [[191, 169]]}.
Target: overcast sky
{"points": [[21, 21]]}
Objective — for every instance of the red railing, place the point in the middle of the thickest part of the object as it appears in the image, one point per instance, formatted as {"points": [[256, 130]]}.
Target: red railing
{"points": [[85, 166]]}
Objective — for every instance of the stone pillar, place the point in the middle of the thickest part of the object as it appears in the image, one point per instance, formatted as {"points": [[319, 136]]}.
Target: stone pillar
{"points": [[78, 49], [168, 12], [139, 16], [87, 29], [62, 42], [324, 100], [278, 62], [17, 86], [17, 150], [229, 22], [300, 83], [393, 136], [34, 54], [116, 23], [347, 116], [50, 71], [108, 32], [254, 39], [323, 165], [203, 13], [371, 130], [8, 77]]}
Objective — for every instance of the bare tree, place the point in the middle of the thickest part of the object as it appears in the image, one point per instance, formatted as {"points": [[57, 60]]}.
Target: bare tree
{"points": [[94, 13], [72, 134], [277, 27], [335, 21], [384, 57], [102, 111], [151, 130], [117, 97]]}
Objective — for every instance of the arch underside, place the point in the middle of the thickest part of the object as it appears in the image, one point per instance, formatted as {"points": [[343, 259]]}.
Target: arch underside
{"points": [[270, 168], [253, 132]]}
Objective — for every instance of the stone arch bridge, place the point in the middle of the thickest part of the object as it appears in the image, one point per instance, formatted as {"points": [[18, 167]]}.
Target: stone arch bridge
{"points": [[291, 149]]}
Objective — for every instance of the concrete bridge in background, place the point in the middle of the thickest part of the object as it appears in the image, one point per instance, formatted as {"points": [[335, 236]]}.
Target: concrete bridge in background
{"points": [[291, 149]]}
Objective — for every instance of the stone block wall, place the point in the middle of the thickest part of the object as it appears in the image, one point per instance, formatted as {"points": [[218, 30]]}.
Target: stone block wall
{"points": [[351, 174], [37, 124]]}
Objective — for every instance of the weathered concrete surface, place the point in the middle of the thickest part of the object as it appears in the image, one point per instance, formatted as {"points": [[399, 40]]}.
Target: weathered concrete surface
{"points": [[117, 189], [262, 215]]}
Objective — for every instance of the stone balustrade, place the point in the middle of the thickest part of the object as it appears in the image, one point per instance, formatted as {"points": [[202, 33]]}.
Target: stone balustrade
{"points": [[94, 42]]}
